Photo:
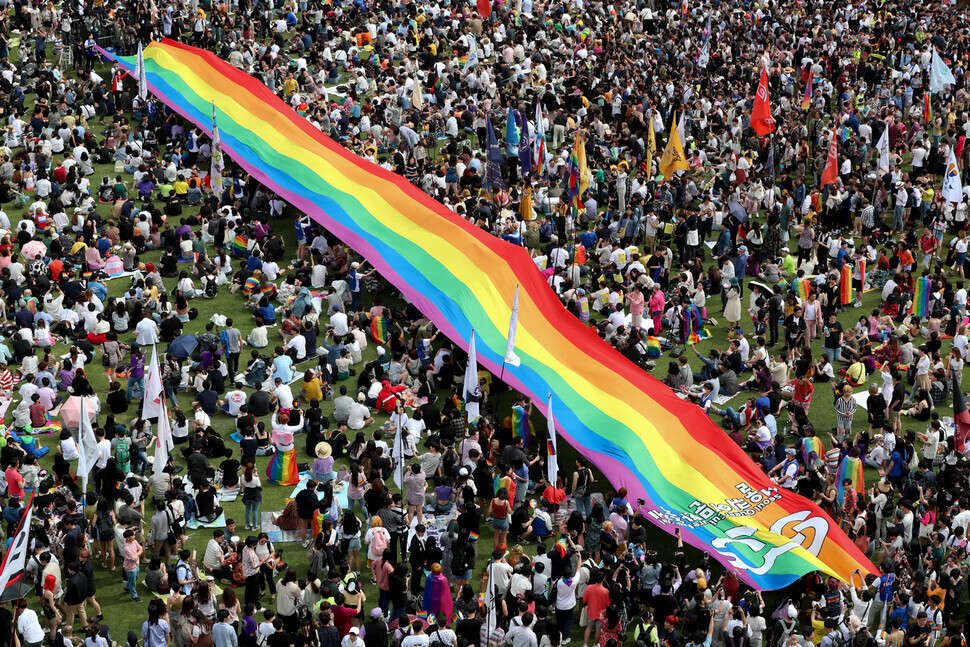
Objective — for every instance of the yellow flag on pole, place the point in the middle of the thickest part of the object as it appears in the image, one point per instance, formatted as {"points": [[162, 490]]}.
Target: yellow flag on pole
{"points": [[651, 144], [673, 159]]}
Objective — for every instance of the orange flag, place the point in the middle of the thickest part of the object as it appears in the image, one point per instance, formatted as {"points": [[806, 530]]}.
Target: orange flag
{"points": [[761, 119], [831, 172]]}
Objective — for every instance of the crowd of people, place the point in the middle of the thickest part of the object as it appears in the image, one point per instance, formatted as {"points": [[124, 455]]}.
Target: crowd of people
{"points": [[421, 529]]}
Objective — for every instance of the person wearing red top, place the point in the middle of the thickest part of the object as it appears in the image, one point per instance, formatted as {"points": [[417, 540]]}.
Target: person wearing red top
{"points": [[15, 480], [596, 598], [343, 615]]}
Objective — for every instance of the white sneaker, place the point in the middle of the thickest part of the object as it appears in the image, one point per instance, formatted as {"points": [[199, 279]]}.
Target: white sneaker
{"points": [[565, 641]]}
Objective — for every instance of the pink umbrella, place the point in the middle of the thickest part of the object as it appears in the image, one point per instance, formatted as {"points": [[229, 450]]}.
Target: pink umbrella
{"points": [[70, 411], [32, 249]]}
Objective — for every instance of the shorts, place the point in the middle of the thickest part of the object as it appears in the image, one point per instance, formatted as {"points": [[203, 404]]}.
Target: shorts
{"points": [[893, 416], [960, 259], [857, 285], [467, 575], [354, 544], [500, 524]]}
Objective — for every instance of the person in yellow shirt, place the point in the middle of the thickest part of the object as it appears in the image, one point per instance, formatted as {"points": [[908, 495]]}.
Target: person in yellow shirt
{"points": [[181, 186], [290, 85]]}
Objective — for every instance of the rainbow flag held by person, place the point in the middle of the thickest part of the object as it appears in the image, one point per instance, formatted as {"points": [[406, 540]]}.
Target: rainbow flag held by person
{"points": [[812, 445], [653, 347], [803, 287], [807, 97], [473, 536], [424, 614], [630, 427], [845, 286], [921, 297], [696, 331], [927, 108], [520, 424], [240, 245], [850, 468], [379, 330]]}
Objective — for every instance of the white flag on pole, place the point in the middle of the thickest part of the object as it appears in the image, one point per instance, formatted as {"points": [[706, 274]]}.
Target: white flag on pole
{"points": [[940, 74], [952, 186], [88, 451], [15, 560], [218, 163], [163, 441], [552, 461], [882, 146], [142, 77], [400, 421], [472, 392], [152, 406], [510, 357]]}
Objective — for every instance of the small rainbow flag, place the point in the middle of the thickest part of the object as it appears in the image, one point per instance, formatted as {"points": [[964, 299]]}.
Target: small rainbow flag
{"points": [[927, 108], [520, 424], [422, 614], [812, 445], [240, 244], [807, 97], [846, 286], [481, 597], [379, 330], [803, 287], [653, 347], [921, 297], [473, 536], [850, 468]]}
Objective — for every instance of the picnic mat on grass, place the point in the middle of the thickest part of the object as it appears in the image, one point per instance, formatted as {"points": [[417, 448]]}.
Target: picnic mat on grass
{"points": [[195, 524], [277, 536]]}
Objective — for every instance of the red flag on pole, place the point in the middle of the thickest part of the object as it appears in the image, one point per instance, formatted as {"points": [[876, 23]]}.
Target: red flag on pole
{"points": [[485, 8], [961, 418], [761, 119], [831, 172]]}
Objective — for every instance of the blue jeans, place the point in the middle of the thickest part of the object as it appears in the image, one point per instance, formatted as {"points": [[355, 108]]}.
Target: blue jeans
{"points": [[132, 585], [252, 513], [835, 354], [139, 461], [584, 506], [133, 383], [898, 217], [735, 416], [384, 600], [355, 301], [356, 502]]}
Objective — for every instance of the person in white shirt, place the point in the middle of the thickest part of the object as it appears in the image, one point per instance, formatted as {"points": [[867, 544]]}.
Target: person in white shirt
{"points": [[233, 402], [146, 331], [283, 394], [359, 415], [29, 625], [339, 323]]}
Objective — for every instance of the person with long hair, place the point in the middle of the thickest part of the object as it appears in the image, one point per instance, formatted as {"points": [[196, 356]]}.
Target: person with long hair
{"points": [[156, 632], [500, 509], [350, 539], [104, 526], [251, 564], [205, 600], [252, 496], [200, 629]]}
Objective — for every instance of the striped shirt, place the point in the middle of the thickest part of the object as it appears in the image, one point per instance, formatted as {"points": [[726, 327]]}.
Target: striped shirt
{"points": [[869, 217], [845, 407]]}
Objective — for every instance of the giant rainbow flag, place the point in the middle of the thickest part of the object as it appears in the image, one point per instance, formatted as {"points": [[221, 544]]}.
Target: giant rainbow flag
{"points": [[632, 427]]}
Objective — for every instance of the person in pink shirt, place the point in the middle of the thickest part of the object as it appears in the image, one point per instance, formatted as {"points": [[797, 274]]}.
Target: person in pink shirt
{"points": [[636, 300], [657, 308], [131, 551], [15, 480]]}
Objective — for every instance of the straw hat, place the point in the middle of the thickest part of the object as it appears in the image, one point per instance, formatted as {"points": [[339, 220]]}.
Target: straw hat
{"points": [[323, 450]]}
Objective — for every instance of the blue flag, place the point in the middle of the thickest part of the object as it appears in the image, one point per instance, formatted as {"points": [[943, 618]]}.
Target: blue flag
{"points": [[511, 135], [494, 160]]}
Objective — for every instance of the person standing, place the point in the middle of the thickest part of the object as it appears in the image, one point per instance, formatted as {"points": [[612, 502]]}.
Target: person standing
{"points": [[223, 634], [232, 343], [131, 552]]}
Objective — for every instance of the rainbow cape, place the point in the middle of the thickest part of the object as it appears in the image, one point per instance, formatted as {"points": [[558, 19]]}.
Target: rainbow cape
{"points": [[240, 245], [927, 108], [803, 287], [520, 424], [921, 297], [845, 285], [812, 445], [379, 330], [282, 469], [849, 468], [696, 331], [627, 423], [653, 347]]}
